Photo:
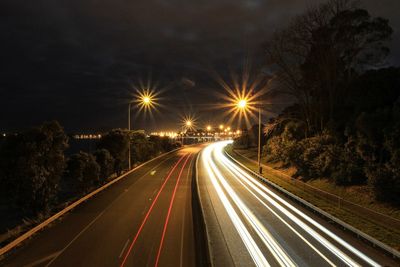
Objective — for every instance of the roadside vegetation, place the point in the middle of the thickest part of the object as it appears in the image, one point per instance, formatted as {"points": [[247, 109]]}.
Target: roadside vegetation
{"points": [[37, 178], [360, 195], [344, 123], [342, 132]]}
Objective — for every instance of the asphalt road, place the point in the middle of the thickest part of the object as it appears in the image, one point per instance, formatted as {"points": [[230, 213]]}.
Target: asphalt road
{"points": [[249, 224], [143, 220]]}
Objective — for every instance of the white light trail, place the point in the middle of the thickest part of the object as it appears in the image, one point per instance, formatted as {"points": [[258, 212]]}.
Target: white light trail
{"points": [[244, 234], [279, 254], [287, 224], [241, 175]]}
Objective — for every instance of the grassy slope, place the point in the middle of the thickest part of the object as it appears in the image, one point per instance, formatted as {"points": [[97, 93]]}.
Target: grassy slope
{"points": [[358, 194]]}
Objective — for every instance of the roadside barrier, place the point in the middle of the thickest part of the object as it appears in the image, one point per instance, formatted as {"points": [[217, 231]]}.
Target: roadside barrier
{"points": [[375, 243]]}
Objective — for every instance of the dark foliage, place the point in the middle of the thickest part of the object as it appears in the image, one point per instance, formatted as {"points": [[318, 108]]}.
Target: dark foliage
{"points": [[116, 142], [106, 163], [31, 164], [82, 172], [345, 124]]}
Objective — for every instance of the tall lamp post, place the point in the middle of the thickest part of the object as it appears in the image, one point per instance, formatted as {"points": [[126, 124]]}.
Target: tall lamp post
{"points": [[188, 124], [259, 140], [144, 101], [242, 105]]}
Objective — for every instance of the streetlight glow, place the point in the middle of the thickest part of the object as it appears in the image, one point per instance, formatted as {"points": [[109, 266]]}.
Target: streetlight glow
{"points": [[208, 128], [242, 103], [146, 100], [188, 122]]}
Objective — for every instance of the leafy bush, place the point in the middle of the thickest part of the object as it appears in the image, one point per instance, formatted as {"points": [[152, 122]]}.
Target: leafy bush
{"points": [[142, 149], [31, 164], [244, 141], [106, 163], [117, 143], [349, 169], [82, 172]]}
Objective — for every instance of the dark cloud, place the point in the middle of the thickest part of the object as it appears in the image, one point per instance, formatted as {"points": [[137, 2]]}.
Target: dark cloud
{"points": [[75, 60]]}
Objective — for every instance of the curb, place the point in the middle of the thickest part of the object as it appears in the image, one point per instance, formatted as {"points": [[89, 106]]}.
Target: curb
{"points": [[51, 219]]}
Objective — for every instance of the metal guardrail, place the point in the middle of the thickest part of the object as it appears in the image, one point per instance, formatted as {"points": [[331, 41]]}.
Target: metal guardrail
{"points": [[18, 240], [346, 226], [369, 214]]}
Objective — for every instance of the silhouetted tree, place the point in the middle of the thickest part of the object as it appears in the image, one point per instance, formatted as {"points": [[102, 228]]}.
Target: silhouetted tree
{"points": [[106, 163], [82, 172], [116, 142], [31, 164], [321, 52], [141, 148]]}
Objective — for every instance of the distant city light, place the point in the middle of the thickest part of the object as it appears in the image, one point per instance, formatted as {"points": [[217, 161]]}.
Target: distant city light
{"points": [[165, 134], [87, 136], [221, 126], [208, 128]]}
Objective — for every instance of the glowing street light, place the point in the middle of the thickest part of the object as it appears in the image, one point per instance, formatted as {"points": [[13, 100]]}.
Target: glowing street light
{"points": [[144, 100], [208, 128], [221, 126], [242, 104], [188, 123], [243, 97]]}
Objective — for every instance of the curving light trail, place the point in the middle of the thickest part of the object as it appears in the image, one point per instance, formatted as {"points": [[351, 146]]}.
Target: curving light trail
{"points": [[246, 237], [246, 221]]}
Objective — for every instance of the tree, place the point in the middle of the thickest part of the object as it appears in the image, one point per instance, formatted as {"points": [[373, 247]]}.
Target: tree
{"points": [[116, 142], [321, 52], [31, 164], [106, 163], [378, 144], [245, 140], [82, 172], [142, 149], [162, 144]]}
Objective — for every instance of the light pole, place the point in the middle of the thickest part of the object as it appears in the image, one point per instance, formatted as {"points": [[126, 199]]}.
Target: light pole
{"points": [[129, 133], [259, 140], [188, 123], [145, 100], [242, 105]]}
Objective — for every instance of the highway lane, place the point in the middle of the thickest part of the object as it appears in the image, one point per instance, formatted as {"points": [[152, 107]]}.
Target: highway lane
{"points": [[143, 220], [252, 225]]}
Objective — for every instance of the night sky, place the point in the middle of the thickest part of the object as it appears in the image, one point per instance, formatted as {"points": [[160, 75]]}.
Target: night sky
{"points": [[77, 60]]}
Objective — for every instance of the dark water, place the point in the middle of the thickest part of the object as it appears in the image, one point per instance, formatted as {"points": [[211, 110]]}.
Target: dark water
{"points": [[85, 145]]}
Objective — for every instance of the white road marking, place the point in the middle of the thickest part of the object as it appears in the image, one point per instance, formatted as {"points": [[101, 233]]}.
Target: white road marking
{"points": [[76, 237], [123, 249], [47, 258]]}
